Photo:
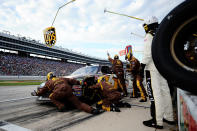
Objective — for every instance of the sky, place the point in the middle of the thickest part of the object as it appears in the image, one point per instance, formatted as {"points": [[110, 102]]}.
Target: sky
{"points": [[82, 26]]}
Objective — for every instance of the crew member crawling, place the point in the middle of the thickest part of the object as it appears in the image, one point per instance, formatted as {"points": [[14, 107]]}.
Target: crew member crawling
{"points": [[61, 91]]}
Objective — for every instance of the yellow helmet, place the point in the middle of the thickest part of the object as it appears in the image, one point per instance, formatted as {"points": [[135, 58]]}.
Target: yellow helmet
{"points": [[100, 78], [116, 57], [103, 78], [50, 75]]}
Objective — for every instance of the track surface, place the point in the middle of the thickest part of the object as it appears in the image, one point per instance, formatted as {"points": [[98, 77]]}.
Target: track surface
{"points": [[31, 115]]}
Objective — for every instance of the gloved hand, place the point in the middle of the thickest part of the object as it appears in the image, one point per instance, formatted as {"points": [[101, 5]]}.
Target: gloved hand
{"points": [[107, 54], [114, 108], [34, 93], [96, 111]]}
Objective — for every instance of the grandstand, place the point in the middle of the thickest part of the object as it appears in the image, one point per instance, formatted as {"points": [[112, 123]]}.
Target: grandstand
{"points": [[12, 64], [26, 57]]}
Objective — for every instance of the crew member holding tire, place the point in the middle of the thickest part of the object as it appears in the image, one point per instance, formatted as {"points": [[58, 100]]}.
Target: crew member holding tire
{"points": [[161, 103], [61, 91]]}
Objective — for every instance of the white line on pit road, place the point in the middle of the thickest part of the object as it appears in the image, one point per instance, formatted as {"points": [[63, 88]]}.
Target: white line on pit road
{"points": [[11, 127]]}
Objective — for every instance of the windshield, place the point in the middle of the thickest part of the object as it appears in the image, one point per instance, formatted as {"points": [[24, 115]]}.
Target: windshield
{"points": [[86, 70]]}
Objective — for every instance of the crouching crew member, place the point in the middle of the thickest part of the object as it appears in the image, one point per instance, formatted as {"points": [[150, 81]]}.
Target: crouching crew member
{"points": [[61, 91], [117, 68], [110, 96]]}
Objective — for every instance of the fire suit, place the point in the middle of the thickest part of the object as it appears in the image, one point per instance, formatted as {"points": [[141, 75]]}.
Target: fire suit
{"points": [[137, 80], [109, 94], [61, 91], [161, 94], [113, 80], [117, 68]]}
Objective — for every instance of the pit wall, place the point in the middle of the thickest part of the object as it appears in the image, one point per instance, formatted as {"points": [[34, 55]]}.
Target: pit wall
{"points": [[22, 77]]}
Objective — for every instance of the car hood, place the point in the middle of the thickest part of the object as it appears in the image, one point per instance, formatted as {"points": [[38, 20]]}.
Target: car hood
{"points": [[78, 76], [73, 76]]}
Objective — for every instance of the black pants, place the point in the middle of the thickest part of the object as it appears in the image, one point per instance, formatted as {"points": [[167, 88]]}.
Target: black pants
{"points": [[150, 95]]}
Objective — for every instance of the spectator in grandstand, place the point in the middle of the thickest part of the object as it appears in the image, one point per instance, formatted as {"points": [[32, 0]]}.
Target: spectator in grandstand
{"points": [[12, 64]]}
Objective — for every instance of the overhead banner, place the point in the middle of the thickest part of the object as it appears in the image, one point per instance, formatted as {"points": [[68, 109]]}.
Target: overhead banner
{"points": [[50, 36]]}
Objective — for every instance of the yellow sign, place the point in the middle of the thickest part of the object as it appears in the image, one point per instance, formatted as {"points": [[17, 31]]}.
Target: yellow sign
{"points": [[50, 36]]}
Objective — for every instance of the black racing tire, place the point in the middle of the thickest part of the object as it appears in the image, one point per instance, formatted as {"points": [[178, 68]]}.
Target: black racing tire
{"points": [[168, 47]]}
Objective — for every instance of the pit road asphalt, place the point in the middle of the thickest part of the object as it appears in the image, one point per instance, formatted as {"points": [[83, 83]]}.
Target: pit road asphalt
{"points": [[29, 114]]}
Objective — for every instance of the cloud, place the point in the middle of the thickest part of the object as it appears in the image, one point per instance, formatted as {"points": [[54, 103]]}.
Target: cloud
{"points": [[82, 25]]}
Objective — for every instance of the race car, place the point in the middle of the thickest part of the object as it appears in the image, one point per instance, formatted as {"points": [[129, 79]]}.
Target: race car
{"points": [[86, 74]]}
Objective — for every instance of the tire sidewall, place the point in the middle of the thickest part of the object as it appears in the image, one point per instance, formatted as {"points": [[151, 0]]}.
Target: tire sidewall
{"points": [[161, 45]]}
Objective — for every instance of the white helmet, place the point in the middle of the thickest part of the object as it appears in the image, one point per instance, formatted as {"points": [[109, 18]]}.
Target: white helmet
{"points": [[151, 20]]}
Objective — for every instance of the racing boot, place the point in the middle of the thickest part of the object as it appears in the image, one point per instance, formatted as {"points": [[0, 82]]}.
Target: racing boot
{"points": [[96, 111], [123, 104], [143, 100], [127, 105], [152, 123]]}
